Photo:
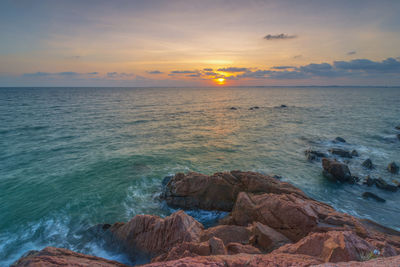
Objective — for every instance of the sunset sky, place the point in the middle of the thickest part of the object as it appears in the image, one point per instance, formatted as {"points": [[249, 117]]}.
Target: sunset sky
{"points": [[199, 43]]}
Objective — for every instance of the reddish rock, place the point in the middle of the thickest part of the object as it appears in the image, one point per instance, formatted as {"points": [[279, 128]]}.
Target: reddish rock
{"points": [[248, 260], [185, 249], [236, 248], [292, 216], [266, 238], [219, 191], [154, 235], [228, 234], [379, 262], [333, 246], [52, 257]]}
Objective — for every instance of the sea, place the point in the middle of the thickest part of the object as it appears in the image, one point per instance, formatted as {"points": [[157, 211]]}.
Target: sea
{"points": [[72, 158]]}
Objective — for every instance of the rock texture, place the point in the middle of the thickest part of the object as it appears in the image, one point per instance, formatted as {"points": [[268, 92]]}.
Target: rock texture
{"points": [[52, 257], [219, 191], [379, 262]]}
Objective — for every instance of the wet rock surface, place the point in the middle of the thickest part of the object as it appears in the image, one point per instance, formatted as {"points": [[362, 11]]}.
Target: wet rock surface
{"points": [[393, 168], [369, 195], [336, 170]]}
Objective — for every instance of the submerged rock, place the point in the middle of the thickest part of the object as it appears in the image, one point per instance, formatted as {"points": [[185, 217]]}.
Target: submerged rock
{"points": [[398, 136], [283, 106], [335, 170], [314, 155], [354, 153], [393, 168], [233, 108], [340, 139], [340, 152], [369, 181], [368, 195], [368, 164], [219, 191], [397, 127], [380, 183], [253, 108]]}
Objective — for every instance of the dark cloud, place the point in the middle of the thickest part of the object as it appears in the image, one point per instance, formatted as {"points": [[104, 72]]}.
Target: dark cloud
{"points": [[154, 72], [233, 69], [283, 67], [184, 72], [210, 73], [281, 36], [37, 74], [93, 73], [351, 53], [68, 73], [208, 69], [389, 65]]}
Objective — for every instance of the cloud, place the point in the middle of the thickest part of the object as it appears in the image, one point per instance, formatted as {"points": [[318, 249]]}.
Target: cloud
{"points": [[351, 53], [184, 72], [208, 69], [233, 69], [283, 67], [93, 73], [389, 65], [154, 72], [37, 74], [68, 73], [119, 75], [281, 36]]}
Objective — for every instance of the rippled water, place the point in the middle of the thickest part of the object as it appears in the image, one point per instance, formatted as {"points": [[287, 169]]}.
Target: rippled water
{"points": [[74, 157]]}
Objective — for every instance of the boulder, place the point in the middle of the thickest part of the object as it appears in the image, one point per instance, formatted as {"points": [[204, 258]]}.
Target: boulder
{"points": [[314, 155], [397, 127], [253, 108], [283, 106], [153, 235], [340, 152], [292, 216], [233, 108], [336, 170], [368, 195], [340, 139], [219, 191], [380, 183], [369, 181], [354, 153], [333, 246], [368, 164], [266, 238], [52, 257], [228, 234], [248, 260], [393, 168], [373, 262], [236, 248]]}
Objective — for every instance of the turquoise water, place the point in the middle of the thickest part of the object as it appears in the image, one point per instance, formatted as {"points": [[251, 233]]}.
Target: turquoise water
{"points": [[75, 157]]}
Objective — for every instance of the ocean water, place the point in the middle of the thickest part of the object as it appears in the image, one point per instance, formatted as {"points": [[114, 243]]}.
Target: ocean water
{"points": [[71, 158]]}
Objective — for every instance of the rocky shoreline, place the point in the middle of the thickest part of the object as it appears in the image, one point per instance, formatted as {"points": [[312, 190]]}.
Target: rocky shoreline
{"points": [[270, 223]]}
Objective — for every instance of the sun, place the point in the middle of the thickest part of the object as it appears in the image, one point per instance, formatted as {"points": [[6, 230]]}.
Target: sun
{"points": [[220, 81]]}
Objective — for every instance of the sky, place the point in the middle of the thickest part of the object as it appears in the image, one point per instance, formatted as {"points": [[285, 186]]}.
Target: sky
{"points": [[199, 43]]}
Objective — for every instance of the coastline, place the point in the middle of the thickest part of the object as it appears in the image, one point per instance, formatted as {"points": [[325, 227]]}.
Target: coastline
{"points": [[271, 223]]}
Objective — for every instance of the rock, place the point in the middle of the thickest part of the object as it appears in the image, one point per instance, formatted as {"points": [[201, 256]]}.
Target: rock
{"points": [[166, 180], [228, 234], [233, 108], [398, 136], [185, 249], [219, 191], [253, 108], [380, 183], [238, 260], [368, 195], [374, 262], [51, 256], [368, 164], [369, 181], [354, 153], [236, 248], [217, 247], [336, 170], [283, 106], [153, 235], [340, 152], [397, 183], [397, 127], [314, 155], [266, 238], [290, 215], [393, 168], [340, 139], [333, 246]]}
